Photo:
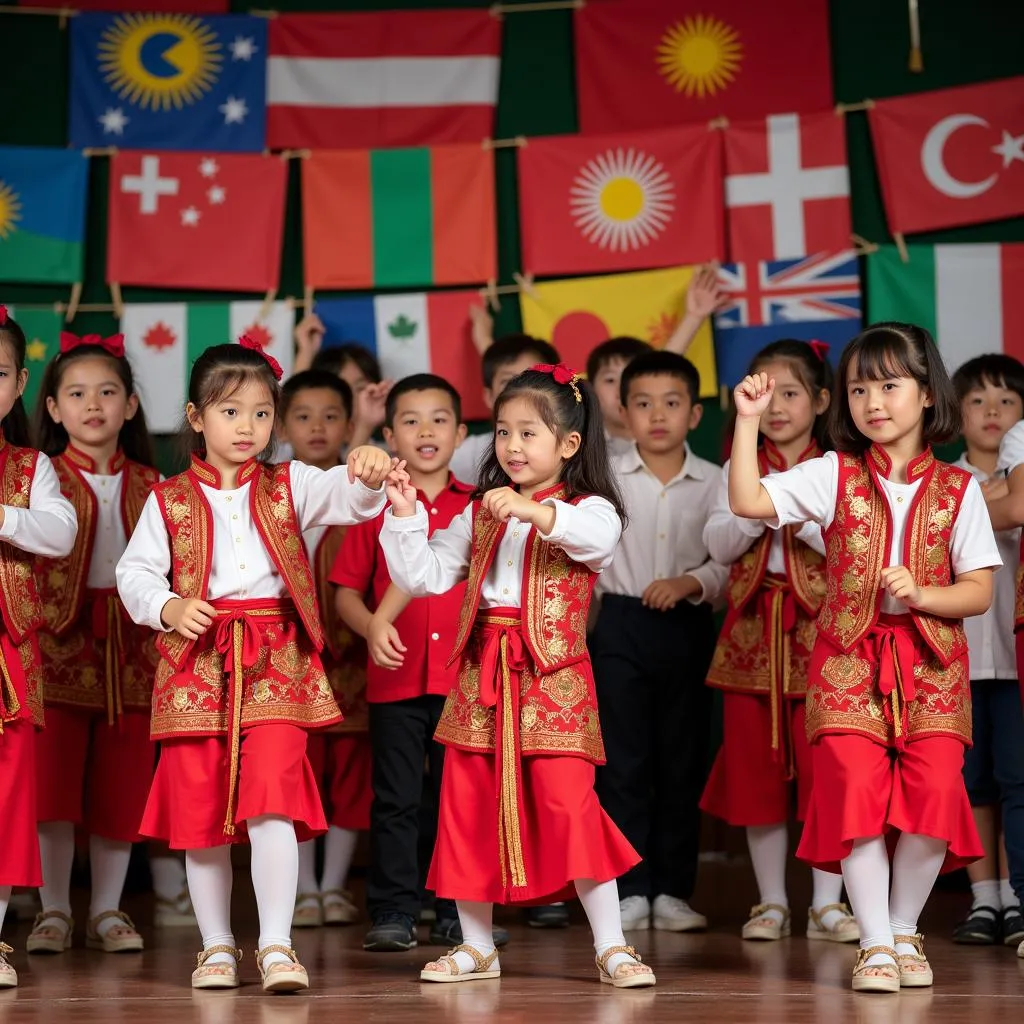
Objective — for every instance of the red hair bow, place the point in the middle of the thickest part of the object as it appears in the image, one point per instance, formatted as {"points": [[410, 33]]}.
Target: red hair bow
{"points": [[114, 345], [251, 343], [820, 348], [563, 375], [3, 315]]}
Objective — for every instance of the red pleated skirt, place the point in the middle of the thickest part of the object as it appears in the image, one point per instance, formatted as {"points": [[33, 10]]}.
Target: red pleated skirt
{"points": [[342, 765]]}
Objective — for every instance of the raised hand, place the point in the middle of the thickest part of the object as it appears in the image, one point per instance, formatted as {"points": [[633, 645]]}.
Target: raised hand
{"points": [[189, 617], [502, 502], [371, 406], [753, 394], [400, 492], [483, 327], [309, 335], [705, 294], [369, 464]]}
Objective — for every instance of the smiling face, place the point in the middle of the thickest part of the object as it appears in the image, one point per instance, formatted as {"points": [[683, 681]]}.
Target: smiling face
{"points": [[793, 409], [889, 410], [425, 431], [237, 427], [528, 450], [660, 412], [989, 411], [91, 403]]}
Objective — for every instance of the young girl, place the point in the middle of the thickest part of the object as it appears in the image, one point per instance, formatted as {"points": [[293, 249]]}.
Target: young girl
{"points": [[909, 554], [216, 564], [95, 760], [519, 819], [34, 520], [775, 589]]}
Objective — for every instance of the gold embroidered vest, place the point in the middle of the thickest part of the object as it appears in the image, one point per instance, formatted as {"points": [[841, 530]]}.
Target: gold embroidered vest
{"points": [[19, 598]]}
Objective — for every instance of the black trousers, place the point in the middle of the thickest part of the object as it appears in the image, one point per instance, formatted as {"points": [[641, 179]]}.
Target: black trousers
{"points": [[650, 668], [402, 743]]}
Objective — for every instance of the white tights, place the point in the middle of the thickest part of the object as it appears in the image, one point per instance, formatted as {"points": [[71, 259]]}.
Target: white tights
{"points": [[339, 849]]}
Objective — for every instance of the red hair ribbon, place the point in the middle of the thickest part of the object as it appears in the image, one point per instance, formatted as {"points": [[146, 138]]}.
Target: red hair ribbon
{"points": [[563, 375], [114, 345], [3, 315], [251, 343], [820, 348]]}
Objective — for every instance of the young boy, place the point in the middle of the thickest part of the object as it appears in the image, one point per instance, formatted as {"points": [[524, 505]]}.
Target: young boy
{"points": [[653, 643], [991, 393], [316, 420]]}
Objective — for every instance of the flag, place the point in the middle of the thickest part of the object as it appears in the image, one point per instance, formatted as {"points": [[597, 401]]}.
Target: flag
{"points": [[951, 157], [42, 327], [577, 314], [161, 6], [621, 202], [185, 220], [397, 78], [42, 214], [815, 297], [787, 186], [413, 333], [645, 63], [971, 297], [162, 340], [168, 81], [397, 218]]}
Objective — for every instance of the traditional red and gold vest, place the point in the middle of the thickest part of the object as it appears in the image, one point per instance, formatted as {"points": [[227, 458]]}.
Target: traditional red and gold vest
{"points": [[189, 522]]}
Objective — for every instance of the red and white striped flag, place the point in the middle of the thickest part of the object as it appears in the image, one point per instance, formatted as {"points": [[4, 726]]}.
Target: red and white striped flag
{"points": [[374, 81]]}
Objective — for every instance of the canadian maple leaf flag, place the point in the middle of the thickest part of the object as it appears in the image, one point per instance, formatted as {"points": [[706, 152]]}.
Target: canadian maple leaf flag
{"points": [[193, 220]]}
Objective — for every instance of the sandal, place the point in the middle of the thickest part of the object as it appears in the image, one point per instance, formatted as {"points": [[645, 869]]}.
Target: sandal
{"points": [[216, 975], [289, 977], [889, 981], [309, 911], [766, 929], [176, 913], [635, 975], [844, 930], [339, 908], [119, 938], [52, 937], [909, 978], [452, 972], [8, 975]]}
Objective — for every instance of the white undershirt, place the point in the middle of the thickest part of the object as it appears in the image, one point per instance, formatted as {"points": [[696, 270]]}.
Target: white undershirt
{"points": [[49, 525]]}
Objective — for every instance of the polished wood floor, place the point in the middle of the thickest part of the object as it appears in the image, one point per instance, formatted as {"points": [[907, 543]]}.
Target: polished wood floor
{"points": [[548, 977]]}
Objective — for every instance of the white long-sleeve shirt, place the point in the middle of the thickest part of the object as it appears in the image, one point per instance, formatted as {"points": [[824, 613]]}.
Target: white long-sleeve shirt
{"points": [[242, 569], [587, 532], [49, 525]]}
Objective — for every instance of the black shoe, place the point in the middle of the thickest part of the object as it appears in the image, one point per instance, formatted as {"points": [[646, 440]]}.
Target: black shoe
{"points": [[446, 931], [1013, 926], [391, 933], [981, 927], [555, 915]]}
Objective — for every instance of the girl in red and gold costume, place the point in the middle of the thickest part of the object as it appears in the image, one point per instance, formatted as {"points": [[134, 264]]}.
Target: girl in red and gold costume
{"points": [[909, 553], [774, 593], [95, 759], [217, 566], [35, 519], [519, 820]]}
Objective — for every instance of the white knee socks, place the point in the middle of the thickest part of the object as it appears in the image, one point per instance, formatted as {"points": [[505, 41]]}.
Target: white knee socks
{"points": [[769, 849], [307, 884], [601, 904], [275, 876], [209, 881], [168, 876], [476, 920], [339, 849], [915, 866], [108, 862], [57, 854], [866, 873]]}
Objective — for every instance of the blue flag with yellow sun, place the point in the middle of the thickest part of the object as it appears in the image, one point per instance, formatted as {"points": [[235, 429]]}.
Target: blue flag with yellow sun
{"points": [[168, 81]]}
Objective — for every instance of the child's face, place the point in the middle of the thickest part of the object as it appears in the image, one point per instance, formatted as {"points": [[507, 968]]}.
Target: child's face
{"points": [[887, 411], [988, 413], [606, 387], [238, 427], [91, 402], [528, 449], [353, 376], [504, 373], [425, 431], [660, 412], [792, 411], [12, 380], [316, 426]]}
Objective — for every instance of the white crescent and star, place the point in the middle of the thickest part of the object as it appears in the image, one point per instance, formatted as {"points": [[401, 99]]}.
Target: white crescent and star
{"points": [[1011, 148]]}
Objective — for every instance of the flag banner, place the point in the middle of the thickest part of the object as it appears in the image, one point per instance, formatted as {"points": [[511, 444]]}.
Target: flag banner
{"points": [[621, 202], [815, 297], [577, 314], [787, 186], [398, 218], [414, 333], [374, 81], [42, 329], [159, 6], [42, 214], [971, 297], [168, 81], [650, 63], [951, 157], [162, 340], [184, 220]]}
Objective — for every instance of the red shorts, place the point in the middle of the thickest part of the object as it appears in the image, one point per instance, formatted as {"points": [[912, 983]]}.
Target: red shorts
{"points": [[342, 766], [19, 845], [862, 790], [189, 798], [94, 774], [748, 784]]}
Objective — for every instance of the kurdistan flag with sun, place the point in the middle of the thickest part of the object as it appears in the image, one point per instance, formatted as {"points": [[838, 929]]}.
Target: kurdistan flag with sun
{"points": [[700, 55]]}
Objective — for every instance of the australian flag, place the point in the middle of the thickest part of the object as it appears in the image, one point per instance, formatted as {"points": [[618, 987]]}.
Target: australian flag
{"points": [[814, 297], [168, 81]]}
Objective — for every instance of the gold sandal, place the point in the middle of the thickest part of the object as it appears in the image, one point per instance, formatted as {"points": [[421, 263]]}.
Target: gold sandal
{"points": [[120, 938], [289, 977], [637, 975], [454, 973], [908, 978], [760, 928], [887, 982], [339, 907], [309, 911], [844, 930], [8, 975], [216, 975], [47, 938]]}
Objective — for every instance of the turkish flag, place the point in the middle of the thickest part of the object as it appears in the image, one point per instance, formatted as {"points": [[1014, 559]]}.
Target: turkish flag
{"points": [[621, 202], [787, 187], [193, 220], [950, 157]]}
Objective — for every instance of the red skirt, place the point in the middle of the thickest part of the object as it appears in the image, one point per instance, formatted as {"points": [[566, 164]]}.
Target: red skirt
{"points": [[342, 765], [19, 840]]}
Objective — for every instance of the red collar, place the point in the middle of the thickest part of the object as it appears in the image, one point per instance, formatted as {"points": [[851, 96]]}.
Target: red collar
{"points": [[207, 474], [774, 458], [917, 467], [453, 485], [559, 490], [87, 463]]}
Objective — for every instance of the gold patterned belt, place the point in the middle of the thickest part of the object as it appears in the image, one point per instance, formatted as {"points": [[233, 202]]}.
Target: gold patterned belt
{"points": [[107, 626], [778, 612], [10, 706]]}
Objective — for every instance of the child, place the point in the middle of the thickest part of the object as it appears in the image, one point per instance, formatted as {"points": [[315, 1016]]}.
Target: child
{"points": [[409, 677], [35, 519], [653, 641], [776, 584], [216, 565], [95, 760], [519, 818], [909, 554], [316, 420]]}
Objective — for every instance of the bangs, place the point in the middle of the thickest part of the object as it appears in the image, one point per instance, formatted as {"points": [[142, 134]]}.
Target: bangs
{"points": [[876, 358], [226, 382], [540, 402]]}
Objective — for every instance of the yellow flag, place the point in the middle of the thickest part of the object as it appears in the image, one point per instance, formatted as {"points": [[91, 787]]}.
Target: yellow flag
{"points": [[576, 315]]}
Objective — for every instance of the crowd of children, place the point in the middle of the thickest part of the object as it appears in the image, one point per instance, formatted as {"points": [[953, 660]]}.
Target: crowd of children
{"points": [[497, 654]]}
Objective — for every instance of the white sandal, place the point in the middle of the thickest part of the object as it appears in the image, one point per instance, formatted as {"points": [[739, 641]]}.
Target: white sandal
{"points": [[216, 975], [452, 972], [52, 937], [761, 928], [887, 981], [289, 977], [309, 911], [844, 930], [634, 975], [339, 907], [8, 975], [923, 978], [119, 938]]}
